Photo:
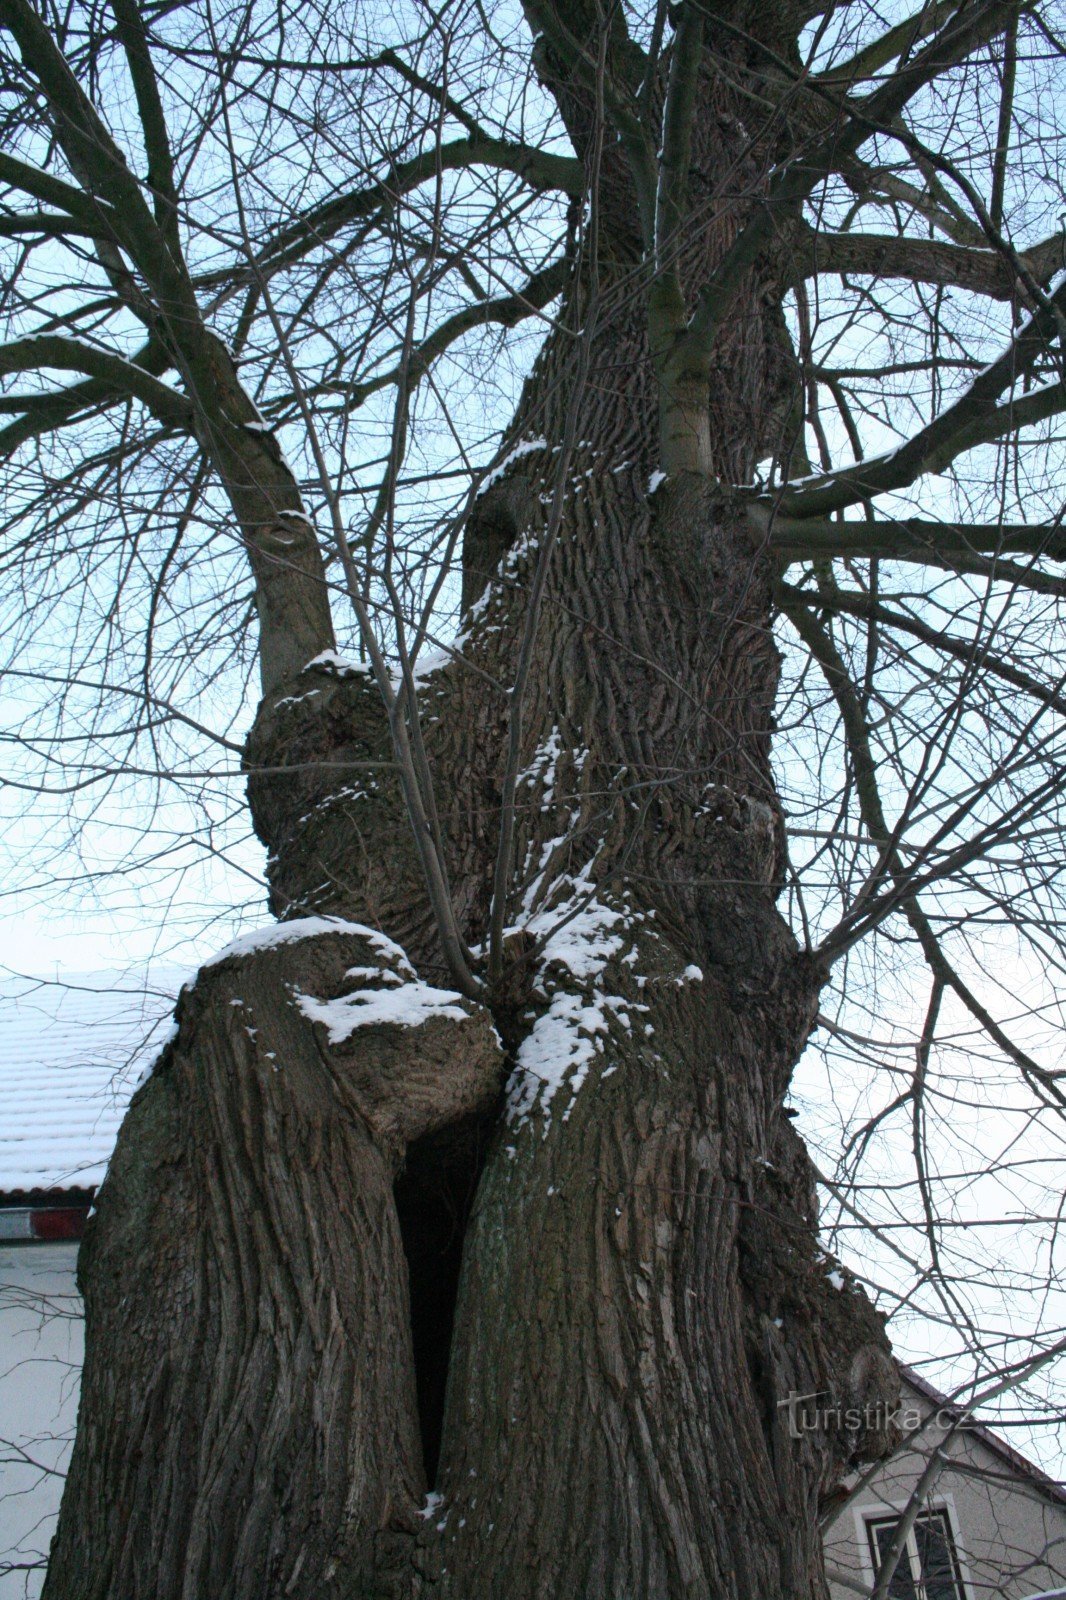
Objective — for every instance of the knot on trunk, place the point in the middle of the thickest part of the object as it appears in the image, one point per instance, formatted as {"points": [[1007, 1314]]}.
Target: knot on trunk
{"points": [[720, 851], [500, 515], [408, 1058], [738, 836], [406, 1088], [326, 801]]}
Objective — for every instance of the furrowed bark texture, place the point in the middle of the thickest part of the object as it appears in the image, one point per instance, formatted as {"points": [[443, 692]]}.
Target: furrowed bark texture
{"points": [[291, 598], [248, 1422], [641, 1284]]}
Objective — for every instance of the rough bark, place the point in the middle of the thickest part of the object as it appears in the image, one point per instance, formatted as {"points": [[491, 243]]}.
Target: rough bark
{"points": [[641, 1282], [613, 1423], [291, 598], [248, 1419]]}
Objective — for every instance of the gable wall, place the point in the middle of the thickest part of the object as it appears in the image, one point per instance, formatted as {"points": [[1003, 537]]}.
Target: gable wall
{"points": [[1011, 1537]]}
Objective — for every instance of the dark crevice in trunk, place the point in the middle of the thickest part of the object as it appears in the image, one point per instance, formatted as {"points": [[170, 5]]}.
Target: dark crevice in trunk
{"points": [[434, 1197]]}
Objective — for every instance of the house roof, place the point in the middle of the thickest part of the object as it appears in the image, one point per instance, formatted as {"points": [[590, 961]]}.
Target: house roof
{"points": [[1011, 1458], [71, 1053]]}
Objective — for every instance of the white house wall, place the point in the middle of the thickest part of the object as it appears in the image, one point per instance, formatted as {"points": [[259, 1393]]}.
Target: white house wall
{"points": [[41, 1349], [1010, 1536]]}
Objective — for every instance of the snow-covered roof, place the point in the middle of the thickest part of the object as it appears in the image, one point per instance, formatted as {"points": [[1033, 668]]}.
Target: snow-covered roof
{"points": [[71, 1052]]}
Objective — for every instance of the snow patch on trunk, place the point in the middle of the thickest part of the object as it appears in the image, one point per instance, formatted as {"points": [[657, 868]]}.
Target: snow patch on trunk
{"points": [[542, 767], [278, 933], [332, 661], [408, 1006], [560, 1048], [524, 448], [581, 937], [585, 942]]}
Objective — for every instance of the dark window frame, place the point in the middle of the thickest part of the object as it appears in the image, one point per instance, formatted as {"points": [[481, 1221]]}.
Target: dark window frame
{"points": [[935, 1514]]}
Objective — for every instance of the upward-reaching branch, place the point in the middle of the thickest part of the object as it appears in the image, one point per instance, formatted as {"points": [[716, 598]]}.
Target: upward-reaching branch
{"points": [[101, 168], [854, 121], [898, 41], [131, 31], [1006, 111], [975, 418], [684, 428], [292, 600]]}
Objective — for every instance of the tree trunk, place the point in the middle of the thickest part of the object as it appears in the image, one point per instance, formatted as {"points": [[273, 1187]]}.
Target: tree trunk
{"points": [[615, 1265], [248, 1421]]}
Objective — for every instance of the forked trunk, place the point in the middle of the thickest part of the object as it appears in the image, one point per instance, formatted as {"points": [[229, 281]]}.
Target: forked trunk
{"points": [[602, 1231]]}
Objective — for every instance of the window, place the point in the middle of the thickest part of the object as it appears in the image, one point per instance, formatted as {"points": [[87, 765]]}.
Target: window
{"points": [[928, 1566]]}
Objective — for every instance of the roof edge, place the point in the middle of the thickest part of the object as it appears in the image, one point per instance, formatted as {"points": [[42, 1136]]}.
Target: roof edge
{"points": [[1021, 1464]]}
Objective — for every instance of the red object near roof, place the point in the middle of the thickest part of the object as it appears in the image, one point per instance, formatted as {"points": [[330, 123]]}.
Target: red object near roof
{"points": [[42, 1224]]}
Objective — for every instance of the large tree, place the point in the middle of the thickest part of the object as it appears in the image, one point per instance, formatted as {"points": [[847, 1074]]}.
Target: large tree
{"points": [[475, 1172]]}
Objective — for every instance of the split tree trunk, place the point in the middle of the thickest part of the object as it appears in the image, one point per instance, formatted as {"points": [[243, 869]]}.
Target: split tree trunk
{"points": [[601, 1233]]}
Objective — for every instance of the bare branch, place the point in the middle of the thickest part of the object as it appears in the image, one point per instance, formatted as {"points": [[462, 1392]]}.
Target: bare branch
{"points": [[540, 169], [91, 211], [505, 311], [131, 31], [981, 271], [938, 543], [973, 653], [904, 880], [113, 374], [99, 163], [1006, 110], [973, 419], [854, 123], [898, 41], [51, 225]]}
